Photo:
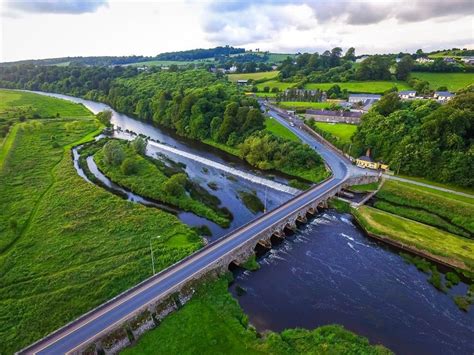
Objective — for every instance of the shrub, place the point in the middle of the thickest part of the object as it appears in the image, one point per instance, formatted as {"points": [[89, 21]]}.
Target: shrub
{"points": [[113, 153], [129, 166], [175, 185], [139, 145]]}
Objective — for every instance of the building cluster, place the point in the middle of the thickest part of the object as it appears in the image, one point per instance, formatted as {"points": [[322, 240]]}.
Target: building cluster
{"points": [[339, 116], [440, 96]]}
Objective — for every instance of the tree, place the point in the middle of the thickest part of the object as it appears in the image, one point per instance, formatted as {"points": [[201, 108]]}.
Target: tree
{"points": [[129, 166], [350, 54], [404, 67], [375, 67], [139, 145], [113, 153], [174, 186], [104, 117], [388, 104], [229, 123], [335, 59]]}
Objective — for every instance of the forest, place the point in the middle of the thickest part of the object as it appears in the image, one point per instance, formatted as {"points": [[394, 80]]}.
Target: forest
{"points": [[422, 138], [195, 103]]}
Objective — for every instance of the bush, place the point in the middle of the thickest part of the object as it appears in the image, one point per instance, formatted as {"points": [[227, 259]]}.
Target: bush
{"points": [[139, 145], [129, 166], [175, 185], [113, 153]]}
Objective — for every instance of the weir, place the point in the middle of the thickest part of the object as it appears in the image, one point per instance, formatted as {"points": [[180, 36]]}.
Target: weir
{"points": [[255, 179]]}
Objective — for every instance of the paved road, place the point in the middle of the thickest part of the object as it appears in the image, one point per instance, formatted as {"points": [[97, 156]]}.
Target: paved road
{"points": [[99, 321]]}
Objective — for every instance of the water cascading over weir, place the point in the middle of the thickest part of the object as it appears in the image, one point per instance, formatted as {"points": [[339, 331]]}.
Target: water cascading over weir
{"points": [[242, 174]]}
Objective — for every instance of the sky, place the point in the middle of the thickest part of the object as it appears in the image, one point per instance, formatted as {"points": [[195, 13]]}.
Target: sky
{"points": [[35, 29]]}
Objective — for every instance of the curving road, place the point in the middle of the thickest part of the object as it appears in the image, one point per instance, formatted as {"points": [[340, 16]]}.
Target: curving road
{"points": [[100, 320]]}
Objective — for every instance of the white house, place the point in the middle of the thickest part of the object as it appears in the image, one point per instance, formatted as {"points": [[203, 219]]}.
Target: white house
{"points": [[407, 94], [232, 69], [424, 60], [242, 82], [443, 96]]}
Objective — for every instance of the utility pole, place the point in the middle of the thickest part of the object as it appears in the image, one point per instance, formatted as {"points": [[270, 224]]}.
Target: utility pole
{"points": [[151, 252]]}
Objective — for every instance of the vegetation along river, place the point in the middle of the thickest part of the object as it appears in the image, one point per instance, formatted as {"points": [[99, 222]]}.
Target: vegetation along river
{"points": [[327, 272]]}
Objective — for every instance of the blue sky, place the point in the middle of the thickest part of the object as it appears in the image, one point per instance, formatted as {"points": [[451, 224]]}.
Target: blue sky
{"points": [[56, 28]]}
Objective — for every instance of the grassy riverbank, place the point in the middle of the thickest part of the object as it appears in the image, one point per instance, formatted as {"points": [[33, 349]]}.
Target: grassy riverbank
{"points": [[213, 323], [68, 245], [275, 127], [152, 179], [450, 212], [418, 237]]}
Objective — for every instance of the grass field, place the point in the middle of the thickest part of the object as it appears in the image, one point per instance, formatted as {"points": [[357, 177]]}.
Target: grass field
{"points": [[342, 131], [456, 250], [68, 245], [304, 105], [274, 84], [279, 130], [450, 212], [453, 81], [213, 323], [44, 106], [150, 180], [253, 76], [439, 184], [374, 87]]}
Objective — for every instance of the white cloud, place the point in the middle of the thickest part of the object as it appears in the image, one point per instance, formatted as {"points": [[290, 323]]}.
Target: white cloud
{"points": [[147, 27]]}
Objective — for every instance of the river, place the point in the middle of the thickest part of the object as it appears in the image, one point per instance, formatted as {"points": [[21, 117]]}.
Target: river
{"points": [[327, 272], [330, 272]]}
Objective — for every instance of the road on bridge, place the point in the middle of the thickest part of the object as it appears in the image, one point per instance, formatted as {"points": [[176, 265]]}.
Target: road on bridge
{"points": [[102, 319]]}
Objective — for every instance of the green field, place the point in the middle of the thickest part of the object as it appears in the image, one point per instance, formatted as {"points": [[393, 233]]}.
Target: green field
{"points": [[165, 63], [304, 105], [151, 178], [45, 106], [279, 130], [457, 251], [453, 81], [450, 212], [374, 87], [213, 323], [254, 76], [67, 245], [342, 131], [274, 84], [439, 184]]}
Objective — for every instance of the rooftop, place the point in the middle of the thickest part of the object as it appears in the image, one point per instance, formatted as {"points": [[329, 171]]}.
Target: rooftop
{"points": [[443, 93], [369, 96], [365, 158], [334, 113]]}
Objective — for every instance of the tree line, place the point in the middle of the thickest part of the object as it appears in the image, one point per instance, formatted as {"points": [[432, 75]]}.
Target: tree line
{"points": [[422, 138]]}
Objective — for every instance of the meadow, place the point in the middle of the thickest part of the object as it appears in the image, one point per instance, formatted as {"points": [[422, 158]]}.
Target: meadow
{"points": [[455, 250], [294, 105], [450, 212], [279, 130], [254, 76], [453, 81], [342, 131], [281, 86], [373, 87], [68, 245], [212, 322]]}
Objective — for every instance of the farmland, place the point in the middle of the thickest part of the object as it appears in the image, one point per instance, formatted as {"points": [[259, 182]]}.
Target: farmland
{"points": [[374, 87], [254, 76], [73, 248], [281, 86], [453, 81], [305, 105]]}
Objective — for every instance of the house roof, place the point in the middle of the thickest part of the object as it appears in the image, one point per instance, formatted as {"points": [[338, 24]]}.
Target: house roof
{"points": [[406, 92], [365, 96], [365, 158], [334, 113], [443, 93]]}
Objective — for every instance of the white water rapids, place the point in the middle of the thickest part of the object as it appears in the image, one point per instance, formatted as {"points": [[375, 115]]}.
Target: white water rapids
{"points": [[256, 179]]}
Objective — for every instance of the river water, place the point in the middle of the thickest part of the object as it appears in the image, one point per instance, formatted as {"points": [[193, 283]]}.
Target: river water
{"points": [[327, 272], [330, 272]]}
